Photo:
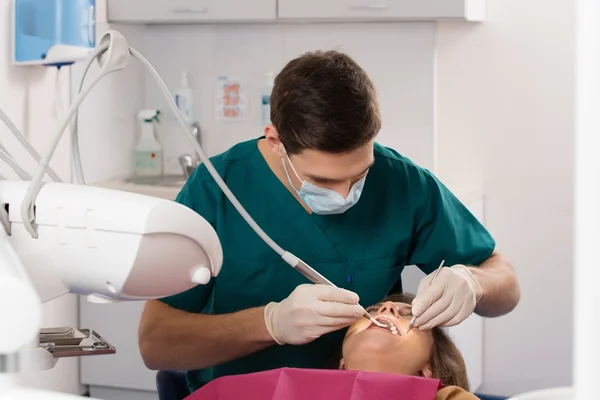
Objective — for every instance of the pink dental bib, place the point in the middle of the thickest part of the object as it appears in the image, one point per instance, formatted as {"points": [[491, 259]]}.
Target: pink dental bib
{"points": [[312, 384]]}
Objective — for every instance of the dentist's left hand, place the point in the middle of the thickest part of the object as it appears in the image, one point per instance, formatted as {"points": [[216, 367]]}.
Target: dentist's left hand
{"points": [[449, 300], [310, 312]]}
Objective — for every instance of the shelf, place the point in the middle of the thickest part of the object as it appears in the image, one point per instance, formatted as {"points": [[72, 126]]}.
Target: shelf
{"points": [[285, 11], [384, 10], [190, 11]]}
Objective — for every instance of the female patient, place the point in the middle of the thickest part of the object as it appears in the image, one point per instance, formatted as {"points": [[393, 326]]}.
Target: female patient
{"points": [[430, 354]]}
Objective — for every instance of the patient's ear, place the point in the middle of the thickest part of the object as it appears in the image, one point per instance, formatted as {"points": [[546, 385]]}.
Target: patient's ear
{"points": [[342, 365], [426, 371]]}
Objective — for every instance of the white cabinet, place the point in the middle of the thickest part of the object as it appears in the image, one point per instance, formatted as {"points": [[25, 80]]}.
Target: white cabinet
{"points": [[118, 324], [391, 10], [215, 11], [188, 11]]}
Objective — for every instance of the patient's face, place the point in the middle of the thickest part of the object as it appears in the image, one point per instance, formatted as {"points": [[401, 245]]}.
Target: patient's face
{"points": [[367, 347]]}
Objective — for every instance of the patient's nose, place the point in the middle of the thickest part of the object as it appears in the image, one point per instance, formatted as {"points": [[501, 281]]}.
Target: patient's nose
{"points": [[390, 308]]}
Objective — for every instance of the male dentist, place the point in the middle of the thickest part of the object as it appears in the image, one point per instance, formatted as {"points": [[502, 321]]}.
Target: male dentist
{"points": [[358, 212]]}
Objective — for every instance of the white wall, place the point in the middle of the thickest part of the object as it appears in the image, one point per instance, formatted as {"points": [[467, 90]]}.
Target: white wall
{"points": [[510, 82], [401, 68]]}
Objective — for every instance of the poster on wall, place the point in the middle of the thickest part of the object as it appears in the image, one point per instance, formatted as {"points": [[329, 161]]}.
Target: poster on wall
{"points": [[231, 99]]}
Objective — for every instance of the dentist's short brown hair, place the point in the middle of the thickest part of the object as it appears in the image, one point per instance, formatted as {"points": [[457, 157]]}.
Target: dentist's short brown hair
{"points": [[325, 101]]}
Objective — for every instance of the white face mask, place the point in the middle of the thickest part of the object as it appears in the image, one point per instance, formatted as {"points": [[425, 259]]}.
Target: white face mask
{"points": [[325, 201]]}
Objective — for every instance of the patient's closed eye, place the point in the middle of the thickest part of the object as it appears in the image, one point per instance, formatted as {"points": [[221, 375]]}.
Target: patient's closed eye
{"points": [[372, 308]]}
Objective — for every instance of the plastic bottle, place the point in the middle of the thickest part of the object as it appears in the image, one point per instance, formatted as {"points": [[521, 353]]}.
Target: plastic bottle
{"points": [[184, 98], [148, 152], [265, 94]]}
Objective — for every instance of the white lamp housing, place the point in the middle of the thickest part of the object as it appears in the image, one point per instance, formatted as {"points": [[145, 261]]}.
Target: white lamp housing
{"points": [[110, 244]]}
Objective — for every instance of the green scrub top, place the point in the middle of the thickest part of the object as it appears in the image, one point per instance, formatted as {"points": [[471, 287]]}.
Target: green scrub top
{"points": [[405, 216]]}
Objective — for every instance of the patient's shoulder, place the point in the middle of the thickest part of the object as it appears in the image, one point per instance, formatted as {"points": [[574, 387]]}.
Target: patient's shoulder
{"points": [[454, 393]]}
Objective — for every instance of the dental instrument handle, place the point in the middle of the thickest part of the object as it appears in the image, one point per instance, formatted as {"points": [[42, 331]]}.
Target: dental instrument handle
{"points": [[310, 273], [412, 321], [315, 277]]}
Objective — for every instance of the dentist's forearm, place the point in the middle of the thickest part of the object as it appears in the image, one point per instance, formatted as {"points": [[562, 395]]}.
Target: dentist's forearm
{"points": [[500, 287], [171, 339]]}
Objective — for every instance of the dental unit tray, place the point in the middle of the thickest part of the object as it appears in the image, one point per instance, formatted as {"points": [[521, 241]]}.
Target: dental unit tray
{"points": [[63, 335], [70, 342]]}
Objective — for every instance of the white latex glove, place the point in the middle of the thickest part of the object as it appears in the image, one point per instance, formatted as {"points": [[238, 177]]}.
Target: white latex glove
{"points": [[311, 311], [449, 300]]}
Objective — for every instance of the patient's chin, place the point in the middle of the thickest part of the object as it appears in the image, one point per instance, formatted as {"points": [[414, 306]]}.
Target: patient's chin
{"points": [[363, 355], [374, 343]]}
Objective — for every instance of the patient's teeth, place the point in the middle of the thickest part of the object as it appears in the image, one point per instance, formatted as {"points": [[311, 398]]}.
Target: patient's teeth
{"points": [[389, 325]]}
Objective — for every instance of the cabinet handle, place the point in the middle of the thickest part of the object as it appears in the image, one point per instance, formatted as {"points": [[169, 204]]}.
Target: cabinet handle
{"points": [[190, 10], [362, 7]]}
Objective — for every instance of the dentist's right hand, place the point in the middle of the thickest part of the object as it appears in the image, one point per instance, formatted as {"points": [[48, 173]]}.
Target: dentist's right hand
{"points": [[310, 312]]}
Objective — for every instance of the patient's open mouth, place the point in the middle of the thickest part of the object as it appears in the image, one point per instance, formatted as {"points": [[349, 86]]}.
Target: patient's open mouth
{"points": [[390, 325]]}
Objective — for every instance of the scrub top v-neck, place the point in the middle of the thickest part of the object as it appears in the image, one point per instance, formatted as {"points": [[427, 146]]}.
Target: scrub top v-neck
{"points": [[305, 227], [404, 216]]}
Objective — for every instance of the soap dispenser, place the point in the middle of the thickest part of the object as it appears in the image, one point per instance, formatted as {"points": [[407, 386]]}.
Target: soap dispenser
{"points": [[148, 152], [184, 99], [265, 98]]}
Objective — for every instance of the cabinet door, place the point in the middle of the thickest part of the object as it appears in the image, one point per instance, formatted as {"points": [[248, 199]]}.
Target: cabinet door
{"points": [[181, 11], [118, 324], [381, 9]]}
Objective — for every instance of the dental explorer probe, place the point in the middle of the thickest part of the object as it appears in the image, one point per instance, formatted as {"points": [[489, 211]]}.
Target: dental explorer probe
{"points": [[412, 321], [113, 54]]}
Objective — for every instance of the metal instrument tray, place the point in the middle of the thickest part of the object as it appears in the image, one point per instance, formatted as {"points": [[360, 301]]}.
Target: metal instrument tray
{"points": [[61, 336], [91, 344]]}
